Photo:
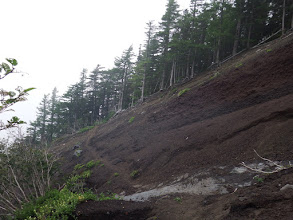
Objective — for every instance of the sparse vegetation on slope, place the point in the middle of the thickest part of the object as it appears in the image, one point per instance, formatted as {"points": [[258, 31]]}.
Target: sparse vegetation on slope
{"points": [[212, 128]]}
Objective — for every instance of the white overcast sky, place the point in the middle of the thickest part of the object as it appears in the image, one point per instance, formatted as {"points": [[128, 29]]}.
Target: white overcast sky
{"points": [[53, 40]]}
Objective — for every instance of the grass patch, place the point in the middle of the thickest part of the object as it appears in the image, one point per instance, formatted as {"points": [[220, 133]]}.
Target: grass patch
{"points": [[134, 173], [173, 91], [131, 119], [238, 65], [109, 196], [54, 205], [258, 179], [183, 91], [78, 166], [178, 199], [92, 164], [85, 129]]}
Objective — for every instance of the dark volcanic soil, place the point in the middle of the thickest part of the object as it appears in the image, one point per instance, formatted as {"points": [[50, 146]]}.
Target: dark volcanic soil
{"points": [[110, 210], [217, 123]]}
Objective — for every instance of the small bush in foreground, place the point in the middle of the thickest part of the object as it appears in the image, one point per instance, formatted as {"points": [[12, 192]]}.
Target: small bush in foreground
{"points": [[54, 205]]}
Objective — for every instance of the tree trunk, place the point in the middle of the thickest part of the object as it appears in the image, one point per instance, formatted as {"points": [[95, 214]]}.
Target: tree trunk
{"points": [[143, 84], [192, 70], [172, 74], [249, 36], [132, 100], [187, 65], [163, 76], [221, 31], [292, 22], [237, 35], [218, 52], [283, 18], [120, 104]]}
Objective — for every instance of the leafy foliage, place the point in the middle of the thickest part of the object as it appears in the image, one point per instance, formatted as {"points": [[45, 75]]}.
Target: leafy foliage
{"points": [[9, 98], [181, 92], [78, 166], [134, 173], [131, 120], [108, 196], [60, 204], [25, 174], [82, 130], [54, 205], [178, 199], [92, 163]]}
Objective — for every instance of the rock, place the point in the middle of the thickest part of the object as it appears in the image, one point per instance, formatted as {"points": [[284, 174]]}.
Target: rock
{"points": [[116, 161], [76, 147], [77, 153], [287, 186], [242, 198]]}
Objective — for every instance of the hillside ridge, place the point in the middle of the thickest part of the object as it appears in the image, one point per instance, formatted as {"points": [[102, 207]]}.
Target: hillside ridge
{"points": [[179, 143]]}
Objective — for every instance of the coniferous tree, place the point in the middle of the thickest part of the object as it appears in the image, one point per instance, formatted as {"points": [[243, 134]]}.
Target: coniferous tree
{"points": [[124, 66], [169, 19], [93, 94], [186, 43], [42, 118], [52, 121]]}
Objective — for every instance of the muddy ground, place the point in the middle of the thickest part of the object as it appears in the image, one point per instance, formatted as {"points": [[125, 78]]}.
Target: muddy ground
{"points": [[184, 149]]}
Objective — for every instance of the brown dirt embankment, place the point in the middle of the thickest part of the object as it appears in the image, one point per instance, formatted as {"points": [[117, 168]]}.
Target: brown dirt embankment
{"points": [[217, 123]]}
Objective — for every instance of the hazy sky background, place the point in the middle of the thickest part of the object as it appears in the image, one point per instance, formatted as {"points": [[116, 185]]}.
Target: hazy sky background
{"points": [[53, 40]]}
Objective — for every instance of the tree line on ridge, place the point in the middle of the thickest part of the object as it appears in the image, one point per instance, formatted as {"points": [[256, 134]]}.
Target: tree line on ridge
{"points": [[182, 45]]}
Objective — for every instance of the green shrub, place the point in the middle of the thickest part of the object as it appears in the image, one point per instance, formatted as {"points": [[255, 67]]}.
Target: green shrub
{"points": [[110, 196], [82, 130], [86, 174], [134, 173], [258, 179], [239, 65], [92, 163], [178, 199], [78, 166], [183, 91], [116, 174], [131, 119], [54, 205]]}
